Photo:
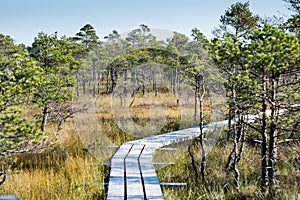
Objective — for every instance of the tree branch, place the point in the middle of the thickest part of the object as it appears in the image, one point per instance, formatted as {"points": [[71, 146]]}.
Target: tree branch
{"points": [[3, 174], [288, 141]]}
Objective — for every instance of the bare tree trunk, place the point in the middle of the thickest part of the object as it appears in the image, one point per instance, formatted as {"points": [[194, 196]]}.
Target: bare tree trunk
{"points": [[201, 137], [243, 140], [264, 175], [83, 85], [94, 79], [175, 82], [196, 102], [144, 82], [273, 142], [143, 89], [107, 82], [44, 118], [264, 159], [237, 122], [229, 124], [154, 83], [229, 117], [194, 163], [239, 156], [235, 153], [232, 116], [200, 81], [113, 78], [272, 156], [227, 166], [77, 84]]}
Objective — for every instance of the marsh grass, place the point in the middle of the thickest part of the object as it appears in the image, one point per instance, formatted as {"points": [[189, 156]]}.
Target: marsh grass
{"points": [[68, 171], [219, 184], [66, 182]]}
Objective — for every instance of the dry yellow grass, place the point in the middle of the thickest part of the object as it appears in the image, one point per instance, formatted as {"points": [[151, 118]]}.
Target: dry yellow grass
{"points": [[61, 173], [66, 182]]}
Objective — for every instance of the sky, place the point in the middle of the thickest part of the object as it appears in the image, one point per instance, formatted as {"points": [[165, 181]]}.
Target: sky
{"points": [[23, 19]]}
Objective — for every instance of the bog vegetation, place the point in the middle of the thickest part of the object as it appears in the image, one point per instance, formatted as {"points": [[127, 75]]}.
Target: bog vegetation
{"points": [[252, 66]]}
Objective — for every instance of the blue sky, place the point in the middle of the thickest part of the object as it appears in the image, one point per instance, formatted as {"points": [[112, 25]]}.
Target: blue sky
{"points": [[23, 19]]}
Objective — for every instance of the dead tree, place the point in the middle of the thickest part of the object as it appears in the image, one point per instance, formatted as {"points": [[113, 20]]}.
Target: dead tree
{"points": [[200, 91]]}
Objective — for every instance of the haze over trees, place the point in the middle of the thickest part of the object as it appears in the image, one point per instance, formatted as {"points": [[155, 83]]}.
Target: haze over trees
{"points": [[256, 62]]}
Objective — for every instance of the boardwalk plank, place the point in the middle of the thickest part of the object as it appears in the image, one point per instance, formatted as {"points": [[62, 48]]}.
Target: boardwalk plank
{"points": [[151, 182], [116, 186], [134, 184]]}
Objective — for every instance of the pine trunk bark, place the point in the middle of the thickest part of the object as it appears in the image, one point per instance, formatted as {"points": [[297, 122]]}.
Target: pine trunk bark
{"points": [[196, 102], [273, 141], [264, 159], [203, 151], [194, 163]]}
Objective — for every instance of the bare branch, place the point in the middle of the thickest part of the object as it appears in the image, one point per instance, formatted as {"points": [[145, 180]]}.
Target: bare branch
{"points": [[3, 174], [288, 141]]}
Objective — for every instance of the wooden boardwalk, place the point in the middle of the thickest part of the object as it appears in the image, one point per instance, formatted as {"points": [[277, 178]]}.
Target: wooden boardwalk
{"points": [[132, 174]]}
